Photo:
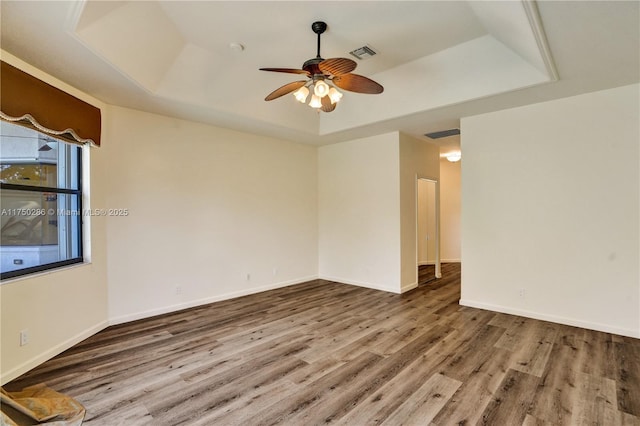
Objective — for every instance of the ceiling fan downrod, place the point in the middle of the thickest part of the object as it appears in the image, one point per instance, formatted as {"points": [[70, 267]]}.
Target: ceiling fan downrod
{"points": [[319, 27]]}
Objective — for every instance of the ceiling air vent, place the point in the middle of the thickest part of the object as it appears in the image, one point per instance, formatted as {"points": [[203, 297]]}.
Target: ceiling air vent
{"points": [[443, 133], [364, 52]]}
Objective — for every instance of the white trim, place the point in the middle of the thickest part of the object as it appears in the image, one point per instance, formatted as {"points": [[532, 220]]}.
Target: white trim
{"points": [[409, 287], [552, 318], [533, 15], [50, 353], [199, 302], [45, 272], [360, 284], [441, 261]]}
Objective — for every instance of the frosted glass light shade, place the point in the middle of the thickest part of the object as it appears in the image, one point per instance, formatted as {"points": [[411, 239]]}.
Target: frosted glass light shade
{"points": [[334, 95], [315, 102], [321, 89], [454, 157], [301, 94]]}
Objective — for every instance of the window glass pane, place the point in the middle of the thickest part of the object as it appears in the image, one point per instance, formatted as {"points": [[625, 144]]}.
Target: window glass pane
{"points": [[40, 201], [38, 228], [30, 158]]}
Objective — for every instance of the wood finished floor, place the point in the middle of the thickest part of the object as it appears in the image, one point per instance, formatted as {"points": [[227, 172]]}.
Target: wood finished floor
{"points": [[323, 352], [426, 274]]}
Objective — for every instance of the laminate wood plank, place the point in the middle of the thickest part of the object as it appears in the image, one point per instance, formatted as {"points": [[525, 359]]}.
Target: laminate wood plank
{"points": [[504, 320], [516, 334], [467, 405], [316, 370], [599, 348], [364, 344], [129, 403], [425, 403], [557, 391], [398, 337], [262, 355], [510, 403], [205, 398], [471, 353], [252, 400], [325, 346], [533, 353], [310, 398], [129, 414], [469, 318], [596, 394], [626, 364], [529, 420], [379, 405], [366, 384]]}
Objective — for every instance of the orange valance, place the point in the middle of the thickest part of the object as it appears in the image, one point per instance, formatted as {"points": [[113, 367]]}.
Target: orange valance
{"points": [[31, 102]]}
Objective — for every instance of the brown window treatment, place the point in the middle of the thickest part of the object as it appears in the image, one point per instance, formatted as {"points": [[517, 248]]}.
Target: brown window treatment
{"points": [[30, 102]]}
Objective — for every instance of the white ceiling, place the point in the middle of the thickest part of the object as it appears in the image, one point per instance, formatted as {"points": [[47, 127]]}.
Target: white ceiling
{"points": [[438, 61]]}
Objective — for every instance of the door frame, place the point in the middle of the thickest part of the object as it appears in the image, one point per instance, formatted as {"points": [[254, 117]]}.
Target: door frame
{"points": [[437, 236]]}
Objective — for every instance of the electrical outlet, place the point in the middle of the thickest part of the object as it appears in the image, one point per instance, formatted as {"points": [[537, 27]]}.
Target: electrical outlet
{"points": [[24, 337], [522, 292], [178, 289]]}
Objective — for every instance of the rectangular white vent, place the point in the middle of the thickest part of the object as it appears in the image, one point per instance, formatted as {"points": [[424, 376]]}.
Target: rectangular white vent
{"points": [[364, 52]]}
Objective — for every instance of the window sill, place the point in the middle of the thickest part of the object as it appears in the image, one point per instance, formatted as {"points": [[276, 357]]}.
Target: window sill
{"points": [[44, 273]]}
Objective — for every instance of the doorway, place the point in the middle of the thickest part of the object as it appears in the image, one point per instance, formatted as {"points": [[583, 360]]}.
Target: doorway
{"points": [[428, 230]]}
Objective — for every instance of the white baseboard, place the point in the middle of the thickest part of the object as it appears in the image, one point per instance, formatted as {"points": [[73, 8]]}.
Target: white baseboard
{"points": [[408, 287], [47, 355], [361, 284], [205, 301], [441, 261], [552, 318]]}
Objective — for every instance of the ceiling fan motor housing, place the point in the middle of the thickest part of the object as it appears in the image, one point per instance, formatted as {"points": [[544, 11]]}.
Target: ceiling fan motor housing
{"points": [[311, 66]]}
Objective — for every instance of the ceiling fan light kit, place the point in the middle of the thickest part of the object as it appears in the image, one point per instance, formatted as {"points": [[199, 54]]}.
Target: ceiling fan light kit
{"points": [[323, 77]]}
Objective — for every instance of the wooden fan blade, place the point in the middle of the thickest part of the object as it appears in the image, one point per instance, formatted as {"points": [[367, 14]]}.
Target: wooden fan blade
{"points": [[287, 70], [337, 66], [357, 83], [287, 88], [327, 106]]}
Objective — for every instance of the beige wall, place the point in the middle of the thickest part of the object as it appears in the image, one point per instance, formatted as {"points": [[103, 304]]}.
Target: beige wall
{"points": [[418, 159], [450, 210], [208, 206], [62, 307], [550, 219], [359, 213]]}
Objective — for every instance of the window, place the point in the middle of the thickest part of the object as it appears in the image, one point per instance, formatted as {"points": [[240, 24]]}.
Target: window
{"points": [[40, 201]]}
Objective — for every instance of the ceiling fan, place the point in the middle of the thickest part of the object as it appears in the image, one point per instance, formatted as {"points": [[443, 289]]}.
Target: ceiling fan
{"points": [[322, 76]]}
